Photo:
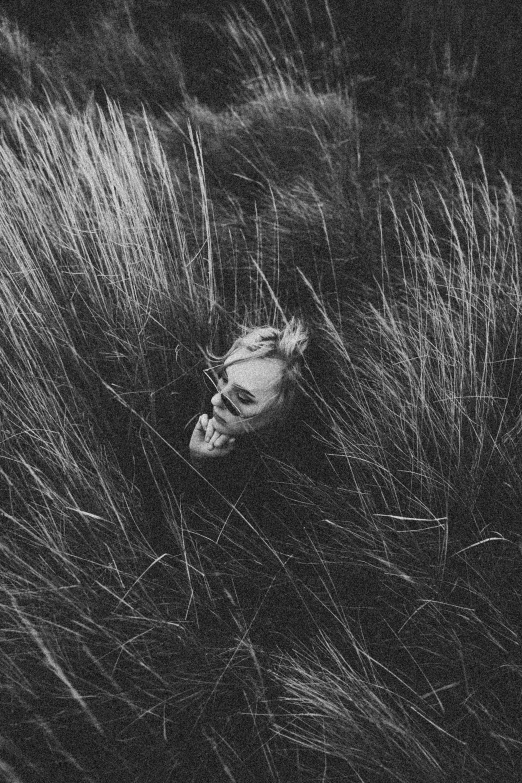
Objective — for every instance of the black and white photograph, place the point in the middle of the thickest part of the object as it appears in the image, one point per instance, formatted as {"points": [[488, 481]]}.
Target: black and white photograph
{"points": [[260, 391]]}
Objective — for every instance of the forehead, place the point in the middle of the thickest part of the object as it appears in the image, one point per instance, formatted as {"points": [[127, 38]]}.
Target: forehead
{"points": [[255, 375]]}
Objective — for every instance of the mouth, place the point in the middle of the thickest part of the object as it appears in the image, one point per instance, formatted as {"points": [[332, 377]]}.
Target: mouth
{"points": [[219, 419]]}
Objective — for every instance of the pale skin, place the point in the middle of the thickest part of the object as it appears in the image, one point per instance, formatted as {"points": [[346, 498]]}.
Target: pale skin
{"points": [[253, 386]]}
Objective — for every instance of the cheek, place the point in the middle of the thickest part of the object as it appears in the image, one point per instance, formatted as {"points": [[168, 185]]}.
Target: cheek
{"points": [[261, 420], [241, 428]]}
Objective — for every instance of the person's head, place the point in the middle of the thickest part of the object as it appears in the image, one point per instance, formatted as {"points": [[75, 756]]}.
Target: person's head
{"points": [[258, 378]]}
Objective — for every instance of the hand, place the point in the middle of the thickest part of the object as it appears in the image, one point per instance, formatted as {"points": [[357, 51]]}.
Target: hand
{"points": [[206, 441]]}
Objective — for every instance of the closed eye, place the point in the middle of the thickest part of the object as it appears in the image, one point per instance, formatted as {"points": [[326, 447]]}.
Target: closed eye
{"points": [[223, 378]]}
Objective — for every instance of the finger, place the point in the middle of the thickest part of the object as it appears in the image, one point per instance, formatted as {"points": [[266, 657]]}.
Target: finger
{"points": [[210, 431], [215, 437], [212, 442], [225, 443], [211, 435], [219, 440], [202, 424]]}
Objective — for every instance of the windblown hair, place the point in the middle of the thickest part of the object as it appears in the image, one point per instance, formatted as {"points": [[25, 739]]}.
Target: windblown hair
{"points": [[287, 344]]}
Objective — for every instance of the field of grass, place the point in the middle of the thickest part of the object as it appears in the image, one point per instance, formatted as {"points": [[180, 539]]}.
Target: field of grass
{"points": [[371, 630]]}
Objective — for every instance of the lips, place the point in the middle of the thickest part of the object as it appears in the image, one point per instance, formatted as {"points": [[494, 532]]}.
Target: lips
{"points": [[219, 419]]}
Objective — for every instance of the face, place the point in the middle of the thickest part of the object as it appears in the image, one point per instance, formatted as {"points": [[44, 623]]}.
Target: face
{"points": [[253, 386]]}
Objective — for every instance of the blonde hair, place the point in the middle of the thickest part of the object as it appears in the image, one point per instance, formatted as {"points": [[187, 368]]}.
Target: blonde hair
{"points": [[287, 344]]}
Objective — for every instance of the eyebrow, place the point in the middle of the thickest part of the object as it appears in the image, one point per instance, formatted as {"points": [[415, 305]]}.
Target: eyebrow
{"points": [[240, 388]]}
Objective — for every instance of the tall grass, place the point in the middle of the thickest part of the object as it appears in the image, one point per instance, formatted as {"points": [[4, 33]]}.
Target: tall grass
{"points": [[107, 59], [109, 284], [299, 45], [452, 340], [25, 68], [427, 428], [93, 295], [365, 625]]}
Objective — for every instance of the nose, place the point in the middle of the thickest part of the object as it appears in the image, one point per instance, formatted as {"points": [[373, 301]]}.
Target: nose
{"points": [[216, 400]]}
